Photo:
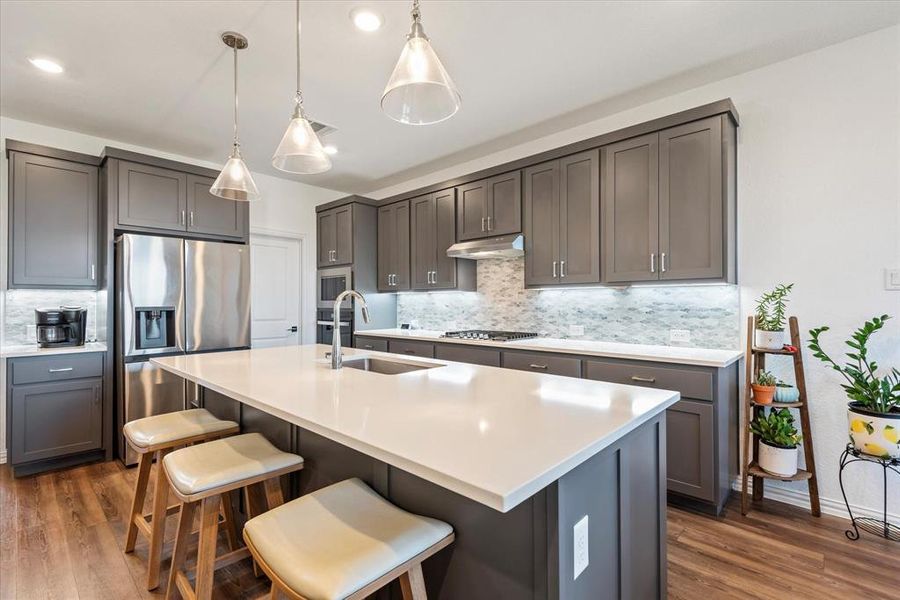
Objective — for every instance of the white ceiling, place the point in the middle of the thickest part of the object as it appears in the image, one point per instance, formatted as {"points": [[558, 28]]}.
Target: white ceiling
{"points": [[154, 73]]}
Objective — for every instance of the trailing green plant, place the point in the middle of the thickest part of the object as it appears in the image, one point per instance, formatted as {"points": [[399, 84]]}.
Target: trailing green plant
{"points": [[776, 428], [770, 308], [880, 394], [764, 378]]}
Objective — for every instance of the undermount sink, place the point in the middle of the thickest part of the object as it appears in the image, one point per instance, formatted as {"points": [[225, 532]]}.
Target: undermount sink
{"points": [[385, 366]]}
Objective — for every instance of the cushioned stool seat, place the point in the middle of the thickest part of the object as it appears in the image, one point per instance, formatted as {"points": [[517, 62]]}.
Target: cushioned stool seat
{"points": [[333, 542], [174, 427], [237, 459]]}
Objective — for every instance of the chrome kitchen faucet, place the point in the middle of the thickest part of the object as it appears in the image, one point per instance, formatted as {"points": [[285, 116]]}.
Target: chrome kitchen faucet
{"points": [[337, 359]]}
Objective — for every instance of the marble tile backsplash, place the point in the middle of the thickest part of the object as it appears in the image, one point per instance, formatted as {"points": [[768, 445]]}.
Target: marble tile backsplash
{"points": [[638, 315], [18, 322]]}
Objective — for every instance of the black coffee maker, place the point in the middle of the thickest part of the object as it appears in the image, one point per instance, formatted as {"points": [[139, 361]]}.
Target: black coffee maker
{"points": [[63, 326]]}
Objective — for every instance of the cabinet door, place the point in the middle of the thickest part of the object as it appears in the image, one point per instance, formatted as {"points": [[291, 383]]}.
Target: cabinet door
{"points": [[691, 201], [468, 354], [690, 462], [55, 419], [53, 217], [579, 218], [152, 197], [326, 232], [400, 253], [213, 215], [630, 205], [387, 247], [422, 241], [542, 224], [504, 204], [472, 215], [343, 244], [411, 348], [445, 236]]}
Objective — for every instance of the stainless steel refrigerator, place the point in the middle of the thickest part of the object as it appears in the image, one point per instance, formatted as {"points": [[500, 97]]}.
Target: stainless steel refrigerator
{"points": [[173, 296]]}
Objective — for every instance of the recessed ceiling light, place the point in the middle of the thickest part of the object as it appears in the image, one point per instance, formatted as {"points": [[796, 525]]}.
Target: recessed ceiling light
{"points": [[329, 149], [46, 65], [366, 19]]}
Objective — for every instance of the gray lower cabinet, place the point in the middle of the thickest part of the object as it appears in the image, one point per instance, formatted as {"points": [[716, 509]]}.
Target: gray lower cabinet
{"points": [[411, 348], [52, 222], [542, 362], [489, 207], [468, 354], [152, 197], [562, 221], [212, 215], [370, 343], [55, 419], [689, 444], [393, 247]]}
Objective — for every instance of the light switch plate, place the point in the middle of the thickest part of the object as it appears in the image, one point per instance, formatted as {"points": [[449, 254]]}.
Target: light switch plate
{"points": [[576, 329], [892, 279], [680, 335], [580, 535]]}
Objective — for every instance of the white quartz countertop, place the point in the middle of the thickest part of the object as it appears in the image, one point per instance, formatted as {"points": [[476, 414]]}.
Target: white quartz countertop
{"points": [[35, 350], [496, 436], [703, 357]]}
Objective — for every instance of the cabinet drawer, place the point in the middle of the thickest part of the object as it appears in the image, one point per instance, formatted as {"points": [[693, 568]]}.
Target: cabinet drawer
{"points": [[56, 368], [468, 354], [540, 362], [412, 348], [690, 461], [691, 383], [371, 343]]}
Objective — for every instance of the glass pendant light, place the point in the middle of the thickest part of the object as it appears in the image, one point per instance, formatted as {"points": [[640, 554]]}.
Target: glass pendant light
{"points": [[300, 150], [419, 92], [235, 181]]}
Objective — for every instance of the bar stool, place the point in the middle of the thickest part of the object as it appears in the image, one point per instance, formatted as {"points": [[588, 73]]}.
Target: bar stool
{"points": [[343, 542], [199, 476], [156, 436]]}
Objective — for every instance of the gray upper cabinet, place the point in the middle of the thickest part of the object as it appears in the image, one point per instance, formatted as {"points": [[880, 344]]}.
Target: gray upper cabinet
{"points": [[432, 231], [490, 207], [212, 215], [444, 276], [152, 197], [393, 247], [631, 210], [562, 221], [691, 206], [335, 236], [421, 241], [52, 222]]}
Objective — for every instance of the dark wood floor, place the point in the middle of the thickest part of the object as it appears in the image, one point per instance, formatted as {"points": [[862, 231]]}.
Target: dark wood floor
{"points": [[61, 536]]}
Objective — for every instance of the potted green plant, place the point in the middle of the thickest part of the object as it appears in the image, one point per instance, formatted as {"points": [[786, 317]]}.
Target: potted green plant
{"points": [[764, 387], [873, 413], [778, 442], [770, 319]]}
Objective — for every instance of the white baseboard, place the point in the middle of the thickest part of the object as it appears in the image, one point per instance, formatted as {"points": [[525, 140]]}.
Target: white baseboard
{"points": [[836, 508]]}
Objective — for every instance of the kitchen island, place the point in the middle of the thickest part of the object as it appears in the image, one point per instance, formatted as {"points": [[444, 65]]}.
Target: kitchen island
{"points": [[513, 460]]}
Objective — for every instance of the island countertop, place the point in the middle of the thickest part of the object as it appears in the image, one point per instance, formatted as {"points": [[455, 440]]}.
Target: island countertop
{"points": [[496, 436]]}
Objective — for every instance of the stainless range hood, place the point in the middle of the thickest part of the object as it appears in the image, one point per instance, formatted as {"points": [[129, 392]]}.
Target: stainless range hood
{"points": [[507, 246]]}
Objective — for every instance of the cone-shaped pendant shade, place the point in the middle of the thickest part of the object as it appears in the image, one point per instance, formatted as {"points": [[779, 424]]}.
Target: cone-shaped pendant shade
{"points": [[420, 91], [300, 150], [235, 181]]}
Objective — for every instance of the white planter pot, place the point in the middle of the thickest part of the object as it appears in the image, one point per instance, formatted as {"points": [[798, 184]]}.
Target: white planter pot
{"points": [[874, 433], [770, 340], [778, 461]]}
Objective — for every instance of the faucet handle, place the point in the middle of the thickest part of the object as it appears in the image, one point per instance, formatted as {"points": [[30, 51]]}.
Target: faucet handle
{"points": [[328, 355]]}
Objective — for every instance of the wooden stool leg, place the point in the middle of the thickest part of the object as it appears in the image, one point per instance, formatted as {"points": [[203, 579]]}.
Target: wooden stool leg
{"points": [[412, 584], [274, 495], [255, 502], [137, 503], [185, 525], [273, 593], [206, 553], [234, 540], [157, 522]]}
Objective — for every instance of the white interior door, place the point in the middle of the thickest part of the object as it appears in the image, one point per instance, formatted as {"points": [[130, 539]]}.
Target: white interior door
{"points": [[275, 291]]}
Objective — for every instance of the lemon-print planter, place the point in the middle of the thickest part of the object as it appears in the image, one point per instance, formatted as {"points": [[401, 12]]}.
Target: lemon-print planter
{"points": [[873, 433]]}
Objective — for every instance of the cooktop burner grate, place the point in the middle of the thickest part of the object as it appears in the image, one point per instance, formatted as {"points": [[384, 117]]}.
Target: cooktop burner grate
{"points": [[489, 334]]}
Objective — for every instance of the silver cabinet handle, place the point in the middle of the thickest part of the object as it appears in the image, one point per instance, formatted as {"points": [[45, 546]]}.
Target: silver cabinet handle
{"points": [[368, 346], [433, 273], [653, 262], [490, 226], [662, 262], [191, 218], [393, 279], [542, 367], [562, 268], [482, 223], [181, 221], [93, 272], [63, 370], [643, 379], [554, 268], [409, 352]]}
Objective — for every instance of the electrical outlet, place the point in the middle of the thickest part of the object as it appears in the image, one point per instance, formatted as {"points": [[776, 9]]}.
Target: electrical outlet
{"points": [[680, 336], [576, 329], [580, 534], [892, 279]]}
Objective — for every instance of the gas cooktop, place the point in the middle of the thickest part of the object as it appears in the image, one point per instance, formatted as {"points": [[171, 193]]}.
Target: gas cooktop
{"points": [[488, 334]]}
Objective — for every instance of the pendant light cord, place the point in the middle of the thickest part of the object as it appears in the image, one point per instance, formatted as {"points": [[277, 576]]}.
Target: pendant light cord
{"points": [[299, 93], [235, 96]]}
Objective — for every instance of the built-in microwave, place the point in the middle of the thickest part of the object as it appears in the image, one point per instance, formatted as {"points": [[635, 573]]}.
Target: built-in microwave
{"points": [[330, 283]]}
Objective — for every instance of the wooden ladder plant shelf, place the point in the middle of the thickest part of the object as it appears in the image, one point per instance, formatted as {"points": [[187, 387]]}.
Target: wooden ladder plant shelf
{"points": [[755, 362]]}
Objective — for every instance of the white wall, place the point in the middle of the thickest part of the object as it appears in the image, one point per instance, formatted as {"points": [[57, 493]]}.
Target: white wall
{"points": [[287, 207], [819, 205]]}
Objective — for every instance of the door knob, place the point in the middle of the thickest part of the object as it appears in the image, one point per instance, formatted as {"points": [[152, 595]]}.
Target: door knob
{"points": [[292, 329]]}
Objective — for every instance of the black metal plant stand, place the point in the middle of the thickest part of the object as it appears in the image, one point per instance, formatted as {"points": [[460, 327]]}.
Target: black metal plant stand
{"points": [[879, 527]]}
